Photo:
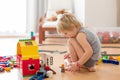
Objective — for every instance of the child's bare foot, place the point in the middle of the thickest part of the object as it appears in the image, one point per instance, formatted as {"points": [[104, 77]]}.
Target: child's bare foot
{"points": [[72, 70], [72, 67], [67, 68], [83, 67], [92, 69]]}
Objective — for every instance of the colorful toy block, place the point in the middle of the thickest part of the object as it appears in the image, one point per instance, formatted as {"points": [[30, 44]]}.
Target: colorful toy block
{"points": [[28, 56], [5, 61], [32, 36], [1, 69], [111, 61], [46, 59], [37, 76], [7, 69], [105, 57], [99, 61], [118, 58]]}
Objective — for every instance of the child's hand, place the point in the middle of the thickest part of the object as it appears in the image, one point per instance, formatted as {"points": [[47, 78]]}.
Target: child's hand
{"points": [[66, 56], [74, 67]]}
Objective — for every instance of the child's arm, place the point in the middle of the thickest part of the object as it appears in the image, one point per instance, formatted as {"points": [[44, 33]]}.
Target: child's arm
{"points": [[67, 55], [82, 40]]}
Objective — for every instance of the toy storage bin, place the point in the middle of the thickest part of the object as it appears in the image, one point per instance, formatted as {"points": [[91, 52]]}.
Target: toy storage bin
{"points": [[108, 34]]}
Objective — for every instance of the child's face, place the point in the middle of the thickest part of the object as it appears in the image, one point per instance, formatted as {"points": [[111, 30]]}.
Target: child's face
{"points": [[70, 34]]}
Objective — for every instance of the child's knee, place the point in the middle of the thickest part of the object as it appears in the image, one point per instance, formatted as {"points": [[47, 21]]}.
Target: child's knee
{"points": [[70, 40]]}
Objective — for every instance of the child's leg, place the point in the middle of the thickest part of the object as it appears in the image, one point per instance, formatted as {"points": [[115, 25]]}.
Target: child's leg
{"points": [[92, 69], [91, 65], [76, 53], [75, 49]]}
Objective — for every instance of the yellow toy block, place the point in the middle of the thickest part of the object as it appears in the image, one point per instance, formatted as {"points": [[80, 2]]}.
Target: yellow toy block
{"points": [[7, 69], [99, 61], [118, 58], [28, 49]]}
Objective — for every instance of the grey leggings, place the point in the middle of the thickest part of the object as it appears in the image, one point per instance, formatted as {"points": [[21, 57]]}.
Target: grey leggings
{"points": [[90, 63]]}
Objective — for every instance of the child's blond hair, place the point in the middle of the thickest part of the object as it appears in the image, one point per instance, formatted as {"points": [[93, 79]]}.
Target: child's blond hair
{"points": [[67, 22]]}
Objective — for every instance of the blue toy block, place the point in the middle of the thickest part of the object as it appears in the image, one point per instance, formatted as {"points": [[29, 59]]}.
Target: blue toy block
{"points": [[38, 76], [6, 63], [43, 70], [111, 61], [116, 62], [35, 77], [32, 34]]}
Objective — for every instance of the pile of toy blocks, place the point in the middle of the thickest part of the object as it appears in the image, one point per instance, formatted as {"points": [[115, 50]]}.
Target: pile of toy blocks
{"points": [[7, 63], [110, 59]]}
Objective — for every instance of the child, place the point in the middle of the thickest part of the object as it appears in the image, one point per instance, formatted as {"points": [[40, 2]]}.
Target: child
{"points": [[84, 47]]}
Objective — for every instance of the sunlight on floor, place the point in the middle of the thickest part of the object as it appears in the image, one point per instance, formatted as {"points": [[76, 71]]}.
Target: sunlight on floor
{"points": [[14, 74], [8, 46]]}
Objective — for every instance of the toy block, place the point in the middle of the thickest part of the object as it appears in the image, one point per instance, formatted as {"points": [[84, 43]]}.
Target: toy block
{"points": [[32, 34], [46, 59], [111, 61], [37, 76], [112, 58], [105, 57], [118, 58], [7, 69], [30, 66], [3, 65], [27, 54], [1, 69], [99, 61]]}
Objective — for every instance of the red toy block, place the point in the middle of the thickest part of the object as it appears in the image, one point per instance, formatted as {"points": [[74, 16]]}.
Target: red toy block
{"points": [[30, 66]]}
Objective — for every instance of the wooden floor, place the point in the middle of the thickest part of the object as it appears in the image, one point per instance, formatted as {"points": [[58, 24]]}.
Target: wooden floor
{"points": [[104, 71]]}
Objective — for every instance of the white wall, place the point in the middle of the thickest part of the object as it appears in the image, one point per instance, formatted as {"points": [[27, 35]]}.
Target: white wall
{"points": [[118, 13], [100, 13], [79, 9]]}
